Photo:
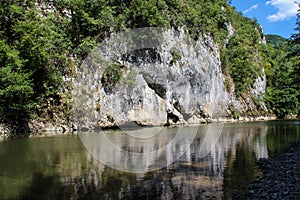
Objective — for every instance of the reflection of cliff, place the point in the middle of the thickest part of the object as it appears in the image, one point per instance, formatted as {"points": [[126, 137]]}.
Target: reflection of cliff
{"points": [[227, 168], [199, 172], [212, 169], [130, 151]]}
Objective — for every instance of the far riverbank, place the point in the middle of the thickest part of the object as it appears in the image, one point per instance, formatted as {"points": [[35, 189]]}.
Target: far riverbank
{"points": [[48, 128]]}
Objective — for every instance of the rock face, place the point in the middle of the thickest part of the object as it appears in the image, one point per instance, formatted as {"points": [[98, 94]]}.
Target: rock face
{"points": [[151, 77], [259, 89]]}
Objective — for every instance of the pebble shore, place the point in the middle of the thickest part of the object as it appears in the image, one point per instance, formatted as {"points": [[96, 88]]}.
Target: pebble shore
{"points": [[281, 177]]}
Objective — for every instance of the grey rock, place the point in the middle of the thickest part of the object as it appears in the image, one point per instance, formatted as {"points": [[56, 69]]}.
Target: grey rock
{"points": [[172, 81]]}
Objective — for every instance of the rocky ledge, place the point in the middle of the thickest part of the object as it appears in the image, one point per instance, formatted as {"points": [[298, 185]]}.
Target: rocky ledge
{"points": [[281, 178]]}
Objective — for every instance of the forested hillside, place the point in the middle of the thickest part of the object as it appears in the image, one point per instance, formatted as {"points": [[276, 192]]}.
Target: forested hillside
{"points": [[282, 70], [42, 42]]}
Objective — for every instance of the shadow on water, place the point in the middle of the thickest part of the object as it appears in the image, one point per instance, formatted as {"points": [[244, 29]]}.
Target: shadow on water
{"points": [[60, 168]]}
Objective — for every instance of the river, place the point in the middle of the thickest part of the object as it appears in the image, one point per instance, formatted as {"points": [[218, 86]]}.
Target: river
{"points": [[203, 165]]}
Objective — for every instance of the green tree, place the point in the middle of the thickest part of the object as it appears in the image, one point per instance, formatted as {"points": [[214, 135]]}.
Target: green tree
{"points": [[147, 13], [15, 89], [296, 59], [33, 58], [280, 65], [296, 36]]}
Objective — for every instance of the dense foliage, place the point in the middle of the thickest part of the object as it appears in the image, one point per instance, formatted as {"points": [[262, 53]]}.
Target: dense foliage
{"points": [[282, 57], [282, 95], [43, 40], [33, 56], [240, 58]]}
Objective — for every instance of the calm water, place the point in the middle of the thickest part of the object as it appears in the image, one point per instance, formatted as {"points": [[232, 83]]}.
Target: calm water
{"points": [[60, 167]]}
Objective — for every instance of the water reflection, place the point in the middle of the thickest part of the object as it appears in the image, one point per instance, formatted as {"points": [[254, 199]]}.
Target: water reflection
{"points": [[125, 150], [61, 168]]}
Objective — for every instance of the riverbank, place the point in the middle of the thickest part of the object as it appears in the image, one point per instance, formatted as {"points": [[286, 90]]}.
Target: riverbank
{"points": [[37, 129], [281, 177], [48, 128]]}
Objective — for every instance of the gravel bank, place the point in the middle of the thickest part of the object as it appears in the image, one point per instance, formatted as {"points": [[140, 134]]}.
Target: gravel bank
{"points": [[281, 178]]}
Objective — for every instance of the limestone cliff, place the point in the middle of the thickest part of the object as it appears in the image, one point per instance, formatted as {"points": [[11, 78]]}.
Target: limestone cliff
{"points": [[155, 77]]}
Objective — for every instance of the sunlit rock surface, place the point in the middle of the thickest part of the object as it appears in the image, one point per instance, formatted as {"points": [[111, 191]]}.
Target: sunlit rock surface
{"points": [[175, 81], [170, 79]]}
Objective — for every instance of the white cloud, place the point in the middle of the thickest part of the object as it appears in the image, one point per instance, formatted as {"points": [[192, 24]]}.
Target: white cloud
{"points": [[250, 9], [286, 9]]}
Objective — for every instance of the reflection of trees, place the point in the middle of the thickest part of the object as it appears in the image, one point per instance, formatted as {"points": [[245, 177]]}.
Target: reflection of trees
{"points": [[28, 163], [248, 143], [281, 134], [42, 187], [240, 170]]}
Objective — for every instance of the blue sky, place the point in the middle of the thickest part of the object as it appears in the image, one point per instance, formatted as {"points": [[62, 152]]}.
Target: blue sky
{"points": [[276, 16]]}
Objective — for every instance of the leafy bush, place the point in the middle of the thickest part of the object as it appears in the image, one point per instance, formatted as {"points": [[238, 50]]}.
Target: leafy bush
{"points": [[111, 76]]}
